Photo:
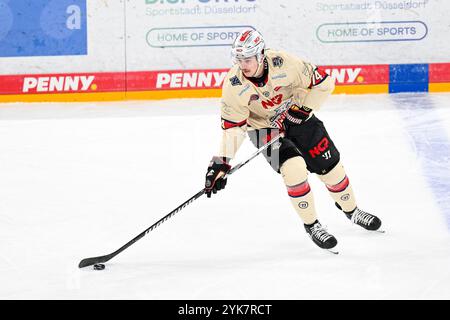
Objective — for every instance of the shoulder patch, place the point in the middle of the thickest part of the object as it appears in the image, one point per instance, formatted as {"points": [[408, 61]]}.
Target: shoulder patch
{"points": [[253, 97], [235, 81], [277, 61]]}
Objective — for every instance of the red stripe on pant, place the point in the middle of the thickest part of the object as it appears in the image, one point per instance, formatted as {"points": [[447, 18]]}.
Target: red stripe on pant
{"points": [[299, 190], [341, 186]]}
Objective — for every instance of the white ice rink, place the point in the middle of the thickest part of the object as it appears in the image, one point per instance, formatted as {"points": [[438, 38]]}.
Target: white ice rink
{"points": [[81, 180]]}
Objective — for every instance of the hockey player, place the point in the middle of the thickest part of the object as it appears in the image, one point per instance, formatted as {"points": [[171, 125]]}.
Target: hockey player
{"points": [[270, 92]]}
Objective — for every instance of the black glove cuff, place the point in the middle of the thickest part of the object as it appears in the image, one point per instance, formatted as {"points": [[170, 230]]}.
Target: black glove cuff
{"points": [[297, 114], [220, 164]]}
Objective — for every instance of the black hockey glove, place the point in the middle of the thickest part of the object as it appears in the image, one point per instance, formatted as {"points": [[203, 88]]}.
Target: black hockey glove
{"points": [[297, 115], [213, 181]]}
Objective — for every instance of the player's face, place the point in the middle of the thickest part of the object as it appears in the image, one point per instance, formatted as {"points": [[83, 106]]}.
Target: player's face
{"points": [[249, 66]]}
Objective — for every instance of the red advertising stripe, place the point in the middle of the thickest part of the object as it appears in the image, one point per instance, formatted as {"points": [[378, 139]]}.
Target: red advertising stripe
{"points": [[213, 78], [439, 72], [62, 83], [359, 75], [176, 79], [170, 80]]}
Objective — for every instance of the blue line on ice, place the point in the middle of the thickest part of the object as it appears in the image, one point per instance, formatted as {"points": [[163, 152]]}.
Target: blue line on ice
{"points": [[430, 137]]}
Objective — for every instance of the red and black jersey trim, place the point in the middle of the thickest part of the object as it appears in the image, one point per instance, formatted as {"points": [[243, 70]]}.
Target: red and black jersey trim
{"points": [[226, 124], [318, 76], [341, 186]]}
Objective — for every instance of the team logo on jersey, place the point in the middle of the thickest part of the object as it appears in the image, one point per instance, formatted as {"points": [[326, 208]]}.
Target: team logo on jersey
{"points": [[277, 62], [235, 81], [266, 104], [253, 97]]}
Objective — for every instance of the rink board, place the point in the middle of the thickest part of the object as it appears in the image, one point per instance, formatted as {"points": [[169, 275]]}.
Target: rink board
{"points": [[167, 84]]}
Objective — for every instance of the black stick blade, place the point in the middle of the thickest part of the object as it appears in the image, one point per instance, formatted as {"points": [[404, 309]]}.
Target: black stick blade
{"points": [[91, 261]]}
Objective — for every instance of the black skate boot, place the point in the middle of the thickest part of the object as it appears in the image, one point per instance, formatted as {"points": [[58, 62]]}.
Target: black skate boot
{"points": [[363, 219], [320, 236]]}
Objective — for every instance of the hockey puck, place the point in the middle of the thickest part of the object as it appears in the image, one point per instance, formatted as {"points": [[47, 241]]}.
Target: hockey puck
{"points": [[99, 266]]}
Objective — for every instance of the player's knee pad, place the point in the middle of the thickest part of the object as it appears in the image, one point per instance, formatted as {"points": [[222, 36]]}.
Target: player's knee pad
{"points": [[336, 180], [294, 171], [334, 176]]}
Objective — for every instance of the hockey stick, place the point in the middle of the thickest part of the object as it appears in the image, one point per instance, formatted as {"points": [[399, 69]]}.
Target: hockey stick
{"points": [[101, 259]]}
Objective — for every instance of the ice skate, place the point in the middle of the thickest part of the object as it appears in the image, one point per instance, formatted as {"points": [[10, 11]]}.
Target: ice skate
{"points": [[363, 219], [321, 237]]}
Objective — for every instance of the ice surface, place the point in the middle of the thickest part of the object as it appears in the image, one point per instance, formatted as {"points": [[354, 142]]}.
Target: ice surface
{"points": [[81, 180]]}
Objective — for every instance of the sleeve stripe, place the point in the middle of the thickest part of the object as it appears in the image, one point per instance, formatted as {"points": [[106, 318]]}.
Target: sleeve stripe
{"points": [[226, 124]]}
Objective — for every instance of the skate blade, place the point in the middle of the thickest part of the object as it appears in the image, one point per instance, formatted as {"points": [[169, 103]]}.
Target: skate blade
{"points": [[333, 251]]}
